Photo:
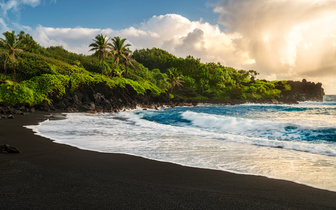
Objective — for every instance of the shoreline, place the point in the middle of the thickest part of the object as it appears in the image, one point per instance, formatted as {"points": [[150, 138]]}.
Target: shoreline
{"points": [[62, 116], [50, 175]]}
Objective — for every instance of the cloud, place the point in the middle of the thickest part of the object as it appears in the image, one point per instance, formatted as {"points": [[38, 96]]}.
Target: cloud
{"points": [[15, 5], [171, 32], [3, 25], [282, 39], [286, 38], [193, 42], [73, 39]]}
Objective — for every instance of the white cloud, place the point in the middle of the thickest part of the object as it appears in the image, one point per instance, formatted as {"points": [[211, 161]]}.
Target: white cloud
{"points": [[3, 25], [14, 5], [171, 32], [291, 39], [282, 39], [73, 39], [33, 3]]}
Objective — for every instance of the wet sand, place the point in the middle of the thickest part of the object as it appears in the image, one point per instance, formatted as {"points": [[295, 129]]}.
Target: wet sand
{"points": [[53, 176]]}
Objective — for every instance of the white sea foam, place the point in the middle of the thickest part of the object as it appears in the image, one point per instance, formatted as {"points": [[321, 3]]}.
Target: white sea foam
{"points": [[211, 141], [228, 124], [257, 132]]}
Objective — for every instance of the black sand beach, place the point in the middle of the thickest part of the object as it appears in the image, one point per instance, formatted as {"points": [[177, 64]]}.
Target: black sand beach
{"points": [[52, 176]]}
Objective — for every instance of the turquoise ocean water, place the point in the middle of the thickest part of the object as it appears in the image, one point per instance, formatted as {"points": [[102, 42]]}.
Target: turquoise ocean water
{"points": [[290, 142]]}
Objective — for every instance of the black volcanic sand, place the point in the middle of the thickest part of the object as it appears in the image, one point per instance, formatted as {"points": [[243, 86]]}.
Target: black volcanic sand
{"points": [[53, 176]]}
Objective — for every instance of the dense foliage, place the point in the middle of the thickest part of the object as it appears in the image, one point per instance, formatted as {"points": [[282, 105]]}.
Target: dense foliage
{"points": [[192, 79], [43, 73]]}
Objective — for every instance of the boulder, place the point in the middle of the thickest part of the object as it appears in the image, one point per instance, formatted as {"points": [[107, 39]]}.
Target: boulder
{"points": [[45, 106], [76, 100], [98, 97], [61, 105], [8, 149], [89, 107], [71, 109]]}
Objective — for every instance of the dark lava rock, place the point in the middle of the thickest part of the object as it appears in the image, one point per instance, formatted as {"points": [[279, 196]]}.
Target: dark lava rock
{"points": [[303, 91], [102, 98], [8, 149], [45, 106]]}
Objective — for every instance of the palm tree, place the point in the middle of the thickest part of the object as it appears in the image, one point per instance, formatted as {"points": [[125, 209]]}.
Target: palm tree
{"points": [[121, 53], [175, 78], [102, 48], [12, 45], [128, 60]]}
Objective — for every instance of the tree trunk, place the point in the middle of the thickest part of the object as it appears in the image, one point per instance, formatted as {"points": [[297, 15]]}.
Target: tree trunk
{"points": [[14, 68], [171, 90], [14, 72], [103, 71], [5, 65], [126, 72]]}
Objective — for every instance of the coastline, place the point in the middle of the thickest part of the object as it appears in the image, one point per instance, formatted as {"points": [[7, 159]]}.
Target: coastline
{"points": [[54, 176]]}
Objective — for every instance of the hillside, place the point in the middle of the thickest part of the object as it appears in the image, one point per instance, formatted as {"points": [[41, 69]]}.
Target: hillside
{"points": [[54, 77]]}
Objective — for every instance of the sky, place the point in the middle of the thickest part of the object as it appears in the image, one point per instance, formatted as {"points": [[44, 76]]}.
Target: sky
{"points": [[281, 39]]}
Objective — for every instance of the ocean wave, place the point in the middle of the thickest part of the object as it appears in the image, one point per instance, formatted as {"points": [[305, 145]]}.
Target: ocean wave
{"points": [[267, 132], [271, 129], [207, 145]]}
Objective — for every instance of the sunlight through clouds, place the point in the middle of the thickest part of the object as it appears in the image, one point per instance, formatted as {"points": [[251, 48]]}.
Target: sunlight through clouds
{"points": [[291, 39], [281, 39]]}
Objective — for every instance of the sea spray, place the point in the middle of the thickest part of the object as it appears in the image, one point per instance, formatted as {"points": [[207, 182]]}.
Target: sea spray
{"points": [[292, 142]]}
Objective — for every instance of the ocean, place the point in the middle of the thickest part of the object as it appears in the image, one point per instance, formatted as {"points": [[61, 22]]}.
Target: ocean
{"points": [[289, 142]]}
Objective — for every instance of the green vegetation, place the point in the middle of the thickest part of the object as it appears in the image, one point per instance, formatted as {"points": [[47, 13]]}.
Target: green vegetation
{"points": [[175, 78], [102, 48], [11, 44], [121, 53], [189, 78], [41, 74]]}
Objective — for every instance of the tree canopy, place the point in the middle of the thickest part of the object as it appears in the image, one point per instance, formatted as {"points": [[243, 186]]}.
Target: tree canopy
{"points": [[121, 52], [102, 48], [12, 45], [41, 72]]}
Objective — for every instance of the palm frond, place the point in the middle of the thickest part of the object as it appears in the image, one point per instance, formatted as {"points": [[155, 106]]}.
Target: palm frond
{"points": [[12, 44]]}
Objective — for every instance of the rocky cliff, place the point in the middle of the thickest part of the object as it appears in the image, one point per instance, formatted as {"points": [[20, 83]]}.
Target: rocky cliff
{"points": [[101, 98], [98, 98], [303, 91]]}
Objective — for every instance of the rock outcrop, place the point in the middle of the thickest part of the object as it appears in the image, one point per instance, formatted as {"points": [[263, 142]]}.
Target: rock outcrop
{"points": [[101, 98], [7, 111], [98, 98], [303, 91]]}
